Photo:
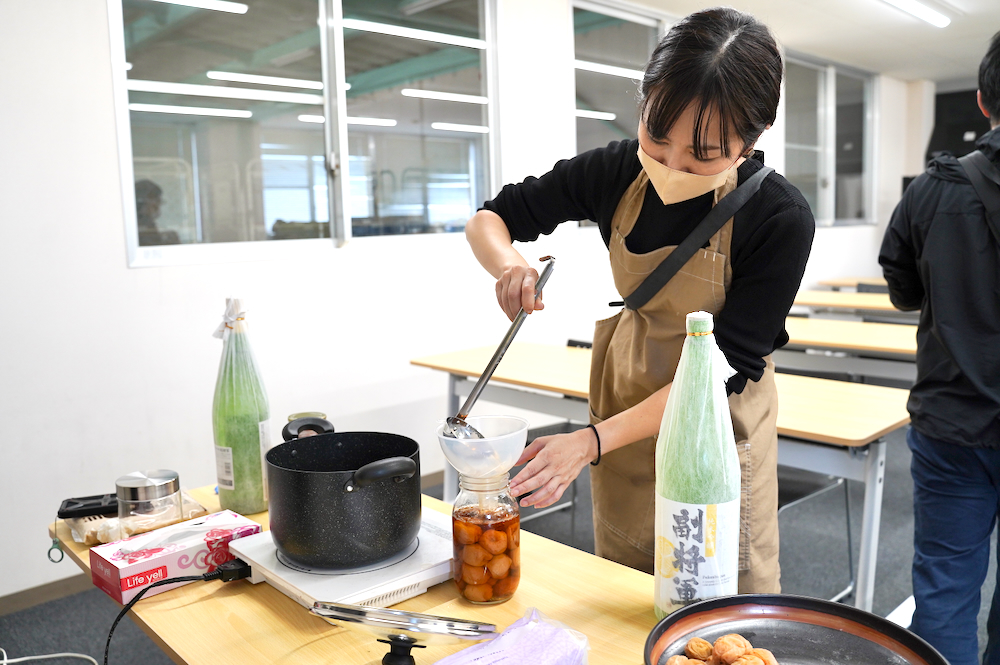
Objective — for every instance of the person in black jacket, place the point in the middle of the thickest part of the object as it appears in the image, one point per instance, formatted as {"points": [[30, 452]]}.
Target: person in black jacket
{"points": [[940, 256]]}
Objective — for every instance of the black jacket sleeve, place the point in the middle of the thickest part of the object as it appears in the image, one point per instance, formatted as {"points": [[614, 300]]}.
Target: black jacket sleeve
{"points": [[898, 255], [767, 271], [587, 186]]}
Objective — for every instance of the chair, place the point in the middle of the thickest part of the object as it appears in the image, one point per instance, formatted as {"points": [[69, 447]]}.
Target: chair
{"points": [[796, 486]]}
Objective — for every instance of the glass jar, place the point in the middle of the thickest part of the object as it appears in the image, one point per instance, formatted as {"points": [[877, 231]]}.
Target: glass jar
{"points": [[486, 531], [148, 500]]}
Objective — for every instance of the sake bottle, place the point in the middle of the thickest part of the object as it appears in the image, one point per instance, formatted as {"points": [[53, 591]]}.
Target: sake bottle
{"points": [[240, 419], [697, 479]]}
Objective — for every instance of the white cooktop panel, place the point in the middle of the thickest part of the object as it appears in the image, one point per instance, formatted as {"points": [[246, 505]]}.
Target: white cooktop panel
{"points": [[429, 564]]}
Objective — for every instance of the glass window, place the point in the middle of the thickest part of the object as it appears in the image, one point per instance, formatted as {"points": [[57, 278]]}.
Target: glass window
{"points": [[827, 138], [226, 115], [850, 149], [804, 89], [611, 54], [219, 152], [417, 114]]}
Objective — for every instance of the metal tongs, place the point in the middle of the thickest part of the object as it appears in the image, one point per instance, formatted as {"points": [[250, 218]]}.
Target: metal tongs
{"points": [[455, 426]]}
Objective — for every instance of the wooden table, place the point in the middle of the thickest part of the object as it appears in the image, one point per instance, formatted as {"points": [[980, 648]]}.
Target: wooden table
{"points": [[828, 427], [855, 348], [242, 624], [852, 282], [845, 300]]}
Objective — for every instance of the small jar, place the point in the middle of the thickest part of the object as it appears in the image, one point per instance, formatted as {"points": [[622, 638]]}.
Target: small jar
{"points": [[486, 531], [307, 414], [148, 500]]}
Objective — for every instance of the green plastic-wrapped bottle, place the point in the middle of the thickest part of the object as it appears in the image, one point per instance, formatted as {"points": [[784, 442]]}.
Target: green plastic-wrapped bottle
{"points": [[240, 419], [697, 479]]}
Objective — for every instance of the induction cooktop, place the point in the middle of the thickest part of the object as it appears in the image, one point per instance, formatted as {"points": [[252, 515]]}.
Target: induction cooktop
{"points": [[426, 562]]}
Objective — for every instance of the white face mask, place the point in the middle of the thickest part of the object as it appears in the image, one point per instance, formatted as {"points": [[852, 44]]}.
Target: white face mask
{"points": [[675, 186]]}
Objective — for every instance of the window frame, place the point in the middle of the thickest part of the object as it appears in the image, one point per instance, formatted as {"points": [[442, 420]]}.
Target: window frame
{"points": [[331, 22], [626, 11], [828, 138]]}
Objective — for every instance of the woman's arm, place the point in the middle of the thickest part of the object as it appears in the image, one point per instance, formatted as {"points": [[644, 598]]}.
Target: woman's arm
{"points": [[491, 243], [557, 460]]}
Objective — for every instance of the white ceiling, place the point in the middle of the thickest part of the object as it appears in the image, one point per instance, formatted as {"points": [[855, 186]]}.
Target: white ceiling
{"points": [[872, 35]]}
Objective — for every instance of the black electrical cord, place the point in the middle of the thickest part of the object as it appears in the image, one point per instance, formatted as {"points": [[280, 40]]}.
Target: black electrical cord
{"points": [[236, 569]]}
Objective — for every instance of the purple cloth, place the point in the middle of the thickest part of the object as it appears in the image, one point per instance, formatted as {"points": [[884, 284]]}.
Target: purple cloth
{"points": [[534, 639]]}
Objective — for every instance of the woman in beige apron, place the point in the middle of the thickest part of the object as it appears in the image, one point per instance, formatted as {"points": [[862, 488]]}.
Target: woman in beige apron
{"points": [[710, 89], [635, 354]]}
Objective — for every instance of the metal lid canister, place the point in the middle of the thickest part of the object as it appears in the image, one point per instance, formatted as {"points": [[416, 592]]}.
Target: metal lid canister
{"points": [[147, 485]]}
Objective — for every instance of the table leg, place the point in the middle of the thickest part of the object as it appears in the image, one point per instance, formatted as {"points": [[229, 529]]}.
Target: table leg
{"points": [[874, 477], [450, 473]]}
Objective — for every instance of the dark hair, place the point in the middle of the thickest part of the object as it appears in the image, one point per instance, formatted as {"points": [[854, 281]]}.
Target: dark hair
{"points": [[724, 60], [146, 190], [989, 79]]}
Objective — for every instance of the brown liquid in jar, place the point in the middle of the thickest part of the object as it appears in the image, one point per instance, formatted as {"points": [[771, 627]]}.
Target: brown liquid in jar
{"points": [[487, 561]]}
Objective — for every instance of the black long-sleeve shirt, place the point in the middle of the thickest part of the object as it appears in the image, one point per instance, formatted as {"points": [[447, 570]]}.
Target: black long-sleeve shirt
{"points": [[939, 256], [772, 236]]}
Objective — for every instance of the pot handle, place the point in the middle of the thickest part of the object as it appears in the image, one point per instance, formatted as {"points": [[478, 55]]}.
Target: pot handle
{"points": [[317, 425], [397, 468]]}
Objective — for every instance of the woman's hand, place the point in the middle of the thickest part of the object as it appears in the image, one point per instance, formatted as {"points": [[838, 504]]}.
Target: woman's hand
{"points": [[516, 290], [556, 461]]}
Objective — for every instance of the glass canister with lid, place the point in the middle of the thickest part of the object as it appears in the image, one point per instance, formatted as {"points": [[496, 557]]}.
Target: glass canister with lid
{"points": [[148, 500], [486, 529]]}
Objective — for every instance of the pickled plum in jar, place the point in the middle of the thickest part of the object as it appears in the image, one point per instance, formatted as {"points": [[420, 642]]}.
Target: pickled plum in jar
{"points": [[486, 564]]}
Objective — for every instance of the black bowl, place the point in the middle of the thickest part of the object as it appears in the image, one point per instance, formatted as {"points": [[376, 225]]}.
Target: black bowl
{"points": [[796, 629]]}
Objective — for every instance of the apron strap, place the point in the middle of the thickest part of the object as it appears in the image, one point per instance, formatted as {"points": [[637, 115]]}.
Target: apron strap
{"points": [[986, 182], [708, 227]]}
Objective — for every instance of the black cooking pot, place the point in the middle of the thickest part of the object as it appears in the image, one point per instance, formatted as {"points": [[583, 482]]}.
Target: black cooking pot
{"points": [[342, 500]]}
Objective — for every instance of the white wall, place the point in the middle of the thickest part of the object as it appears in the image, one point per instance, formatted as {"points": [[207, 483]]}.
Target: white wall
{"points": [[106, 369], [919, 125]]}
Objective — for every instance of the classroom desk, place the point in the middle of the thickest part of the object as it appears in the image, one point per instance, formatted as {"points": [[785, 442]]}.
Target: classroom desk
{"points": [[242, 624], [828, 427], [852, 282], [845, 300], [855, 348]]}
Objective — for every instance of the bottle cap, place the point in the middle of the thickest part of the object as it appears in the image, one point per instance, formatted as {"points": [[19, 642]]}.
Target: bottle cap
{"points": [[699, 322]]}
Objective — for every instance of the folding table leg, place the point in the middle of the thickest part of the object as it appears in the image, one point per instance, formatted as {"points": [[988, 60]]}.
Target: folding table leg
{"points": [[874, 477]]}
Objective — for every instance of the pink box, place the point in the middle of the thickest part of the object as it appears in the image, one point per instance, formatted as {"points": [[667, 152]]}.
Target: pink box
{"points": [[195, 547]]}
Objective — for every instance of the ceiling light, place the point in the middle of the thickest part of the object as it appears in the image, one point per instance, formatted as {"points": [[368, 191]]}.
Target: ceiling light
{"points": [[217, 5], [416, 6], [451, 127], [128, 66], [921, 11], [375, 122], [596, 115], [443, 96], [412, 33], [634, 74], [223, 91], [236, 77], [190, 110]]}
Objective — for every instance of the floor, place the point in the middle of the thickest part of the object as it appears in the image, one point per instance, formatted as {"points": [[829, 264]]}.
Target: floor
{"points": [[813, 563]]}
